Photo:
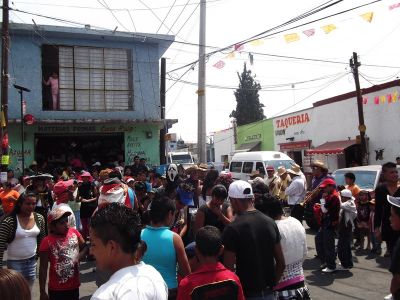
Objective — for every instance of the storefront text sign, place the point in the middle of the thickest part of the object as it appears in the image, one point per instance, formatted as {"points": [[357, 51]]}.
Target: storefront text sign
{"points": [[84, 128], [254, 137], [294, 120]]}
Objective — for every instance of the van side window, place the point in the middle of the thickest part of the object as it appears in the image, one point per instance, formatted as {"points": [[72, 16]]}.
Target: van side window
{"points": [[260, 167], [236, 166], [248, 167]]}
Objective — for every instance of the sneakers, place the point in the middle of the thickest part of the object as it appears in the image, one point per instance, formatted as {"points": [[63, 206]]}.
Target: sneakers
{"points": [[328, 270], [341, 268], [323, 266], [388, 297]]}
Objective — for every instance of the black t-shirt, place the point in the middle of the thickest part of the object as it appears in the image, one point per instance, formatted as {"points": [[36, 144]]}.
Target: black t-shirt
{"points": [[252, 237], [395, 264], [86, 192], [210, 218]]}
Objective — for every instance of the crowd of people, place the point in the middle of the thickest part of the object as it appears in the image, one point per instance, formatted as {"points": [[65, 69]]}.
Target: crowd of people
{"points": [[189, 234]]}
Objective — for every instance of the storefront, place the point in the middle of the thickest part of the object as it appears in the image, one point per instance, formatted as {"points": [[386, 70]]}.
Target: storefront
{"points": [[257, 136], [107, 142]]}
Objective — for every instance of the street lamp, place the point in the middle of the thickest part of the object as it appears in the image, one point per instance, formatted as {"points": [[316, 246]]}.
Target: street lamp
{"points": [[22, 89]]}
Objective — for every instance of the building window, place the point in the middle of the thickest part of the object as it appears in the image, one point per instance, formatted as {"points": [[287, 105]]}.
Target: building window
{"points": [[86, 78]]}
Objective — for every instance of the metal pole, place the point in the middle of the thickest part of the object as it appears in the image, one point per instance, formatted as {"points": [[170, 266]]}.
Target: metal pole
{"points": [[22, 134], [5, 46], [201, 128], [354, 64], [163, 130]]}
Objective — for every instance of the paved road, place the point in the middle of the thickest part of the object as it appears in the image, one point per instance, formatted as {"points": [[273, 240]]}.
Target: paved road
{"points": [[368, 280]]}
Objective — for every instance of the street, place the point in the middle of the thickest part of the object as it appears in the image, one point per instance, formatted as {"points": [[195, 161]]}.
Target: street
{"points": [[369, 279]]}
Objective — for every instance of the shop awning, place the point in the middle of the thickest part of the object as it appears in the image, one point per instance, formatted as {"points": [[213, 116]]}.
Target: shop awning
{"points": [[337, 147], [246, 147]]}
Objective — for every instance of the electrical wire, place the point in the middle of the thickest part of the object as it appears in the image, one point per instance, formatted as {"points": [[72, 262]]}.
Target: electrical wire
{"points": [[177, 18], [188, 18], [105, 5], [162, 23]]}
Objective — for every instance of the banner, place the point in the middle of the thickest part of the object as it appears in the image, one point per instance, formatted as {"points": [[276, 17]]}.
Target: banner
{"points": [[292, 37]]}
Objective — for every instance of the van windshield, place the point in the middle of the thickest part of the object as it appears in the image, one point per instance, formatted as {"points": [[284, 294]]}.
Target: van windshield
{"points": [[182, 159], [277, 163], [364, 179]]}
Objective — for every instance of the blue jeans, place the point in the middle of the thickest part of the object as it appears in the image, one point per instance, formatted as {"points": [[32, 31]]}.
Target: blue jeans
{"points": [[325, 246], [27, 267], [344, 248]]}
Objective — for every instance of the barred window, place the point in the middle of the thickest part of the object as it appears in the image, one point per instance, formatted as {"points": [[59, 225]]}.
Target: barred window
{"points": [[92, 79]]}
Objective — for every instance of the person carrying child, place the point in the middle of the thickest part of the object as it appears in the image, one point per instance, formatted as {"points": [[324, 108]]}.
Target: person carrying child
{"points": [[63, 248]]}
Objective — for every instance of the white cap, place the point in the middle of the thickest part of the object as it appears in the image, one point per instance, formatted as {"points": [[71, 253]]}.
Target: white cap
{"points": [[241, 190], [394, 200], [97, 163], [347, 193]]}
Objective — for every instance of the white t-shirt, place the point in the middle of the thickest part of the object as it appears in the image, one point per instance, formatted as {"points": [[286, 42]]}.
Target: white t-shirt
{"points": [[138, 282], [66, 207]]}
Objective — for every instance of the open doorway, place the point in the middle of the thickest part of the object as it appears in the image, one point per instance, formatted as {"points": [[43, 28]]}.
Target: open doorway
{"points": [[58, 150], [50, 66]]}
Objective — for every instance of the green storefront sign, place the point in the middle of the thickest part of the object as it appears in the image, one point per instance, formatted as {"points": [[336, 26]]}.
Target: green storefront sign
{"points": [[261, 131]]}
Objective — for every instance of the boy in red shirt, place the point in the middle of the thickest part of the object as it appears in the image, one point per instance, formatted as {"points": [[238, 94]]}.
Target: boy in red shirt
{"points": [[63, 248], [211, 280]]}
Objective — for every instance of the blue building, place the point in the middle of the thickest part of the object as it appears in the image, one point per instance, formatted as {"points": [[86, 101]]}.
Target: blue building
{"points": [[94, 94]]}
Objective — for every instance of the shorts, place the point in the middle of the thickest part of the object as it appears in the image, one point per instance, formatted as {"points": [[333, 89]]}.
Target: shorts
{"points": [[27, 267]]}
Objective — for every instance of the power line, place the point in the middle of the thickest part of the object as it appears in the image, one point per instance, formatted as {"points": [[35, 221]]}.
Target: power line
{"points": [[190, 16], [177, 18], [105, 5], [115, 9], [166, 16]]}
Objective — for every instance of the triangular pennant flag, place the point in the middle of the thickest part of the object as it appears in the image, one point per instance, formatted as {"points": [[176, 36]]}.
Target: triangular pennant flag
{"points": [[368, 16], [389, 98], [376, 100], [257, 43], [2, 120], [365, 100], [219, 64], [382, 98], [328, 28], [291, 37], [393, 6], [238, 47], [230, 55], [395, 96], [309, 32]]}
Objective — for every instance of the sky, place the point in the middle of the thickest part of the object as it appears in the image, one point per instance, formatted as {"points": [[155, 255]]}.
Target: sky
{"points": [[320, 70]]}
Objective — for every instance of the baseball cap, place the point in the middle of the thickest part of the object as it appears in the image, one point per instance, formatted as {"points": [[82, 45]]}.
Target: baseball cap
{"points": [[327, 182], [347, 194], [86, 174], [241, 190], [129, 179], [190, 250], [62, 186], [394, 200], [57, 214], [270, 168]]}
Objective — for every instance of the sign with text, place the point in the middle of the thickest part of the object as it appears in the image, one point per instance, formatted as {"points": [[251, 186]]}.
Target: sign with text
{"points": [[293, 120]]}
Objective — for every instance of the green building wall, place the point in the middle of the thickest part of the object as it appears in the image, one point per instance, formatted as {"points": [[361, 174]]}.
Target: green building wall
{"points": [[262, 131]]}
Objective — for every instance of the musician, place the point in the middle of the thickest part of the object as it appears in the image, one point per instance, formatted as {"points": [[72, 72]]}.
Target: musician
{"points": [[296, 192], [283, 183], [272, 181]]}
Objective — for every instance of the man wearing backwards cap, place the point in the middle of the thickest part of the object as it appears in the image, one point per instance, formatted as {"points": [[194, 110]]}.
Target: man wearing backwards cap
{"points": [[325, 238], [253, 241]]}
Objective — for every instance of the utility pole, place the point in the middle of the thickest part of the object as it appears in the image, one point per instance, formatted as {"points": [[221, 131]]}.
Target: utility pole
{"points": [[201, 92], [5, 46], [354, 64], [163, 130]]}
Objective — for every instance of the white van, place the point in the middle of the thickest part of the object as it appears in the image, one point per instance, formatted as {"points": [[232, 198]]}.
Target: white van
{"points": [[244, 163]]}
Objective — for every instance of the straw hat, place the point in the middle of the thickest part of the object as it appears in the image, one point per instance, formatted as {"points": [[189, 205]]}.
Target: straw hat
{"points": [[281, 170], [295, 170], [319, 164]]}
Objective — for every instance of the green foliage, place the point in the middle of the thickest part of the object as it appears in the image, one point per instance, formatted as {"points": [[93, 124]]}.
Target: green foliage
{"points": [[248, 106]]}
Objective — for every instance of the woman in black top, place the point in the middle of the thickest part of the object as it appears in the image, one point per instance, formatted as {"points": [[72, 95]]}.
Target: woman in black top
{"points": [[88, 198], [212, 213]]}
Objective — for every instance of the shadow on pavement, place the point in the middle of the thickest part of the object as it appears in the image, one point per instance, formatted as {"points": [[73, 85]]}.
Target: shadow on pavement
{"points": [[85, 298], [311, 264], [317, 278], [383, 262]]}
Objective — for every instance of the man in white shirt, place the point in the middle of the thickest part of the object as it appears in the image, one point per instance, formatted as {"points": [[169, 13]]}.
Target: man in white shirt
{"points": [[296, 192], [116, 245]]}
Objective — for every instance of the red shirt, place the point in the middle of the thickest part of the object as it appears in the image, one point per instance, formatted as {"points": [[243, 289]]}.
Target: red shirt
{"points": [[332, 204], [63, 254], [209, 275]]}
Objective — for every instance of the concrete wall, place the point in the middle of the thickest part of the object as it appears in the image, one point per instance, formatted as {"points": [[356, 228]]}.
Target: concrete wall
{"points": [[25, 66], [224, 144]]}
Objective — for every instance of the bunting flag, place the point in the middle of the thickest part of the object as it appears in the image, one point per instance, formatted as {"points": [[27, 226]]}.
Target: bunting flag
{"points": [[309, 32], [376, 100], [230, 55], [389, 98], [328, 28], [395, 96], [291, 37], [238, 47], [257, 43], [382, 98], [219, 64], [393, 6], [365, 100], [368, 16], [2, 120]]}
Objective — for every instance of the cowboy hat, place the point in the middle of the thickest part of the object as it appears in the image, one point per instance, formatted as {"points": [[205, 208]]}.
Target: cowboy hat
{"points": [[319, 164], [295, 169], [281, 170]]}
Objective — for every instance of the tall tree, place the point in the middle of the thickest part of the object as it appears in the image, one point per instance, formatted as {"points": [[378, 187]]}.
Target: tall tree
{"points": [[248, 106]]}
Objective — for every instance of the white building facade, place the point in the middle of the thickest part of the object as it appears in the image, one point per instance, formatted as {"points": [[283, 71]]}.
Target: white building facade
{"points": [[224, 145]]}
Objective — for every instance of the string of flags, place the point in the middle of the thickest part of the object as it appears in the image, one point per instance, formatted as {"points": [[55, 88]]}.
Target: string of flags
{"points": [[291, 37], [383, 99]]}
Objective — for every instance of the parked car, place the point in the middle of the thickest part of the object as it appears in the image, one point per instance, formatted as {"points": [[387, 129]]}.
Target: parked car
{"points": [[244, 163]]}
